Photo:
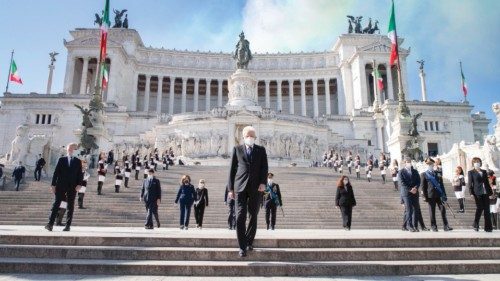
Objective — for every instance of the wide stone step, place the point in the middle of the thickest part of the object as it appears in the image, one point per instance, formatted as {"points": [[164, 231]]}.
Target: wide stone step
{"points": [[259, 254], [245, 268]]}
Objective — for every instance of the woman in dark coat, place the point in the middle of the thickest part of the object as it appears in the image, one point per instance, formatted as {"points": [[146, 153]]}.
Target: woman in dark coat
{"points": [[185, 196], [344, 199]]}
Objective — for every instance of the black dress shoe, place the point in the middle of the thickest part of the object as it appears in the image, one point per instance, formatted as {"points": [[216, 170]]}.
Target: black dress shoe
{"points": [[425, 229], [404, 229], [250, 248], [413, 230], [447, 228], [435, 229], [158, 225], [66, 228], [148, 227], [475, 228], [48, 227], [488, 230], [243, 253]]}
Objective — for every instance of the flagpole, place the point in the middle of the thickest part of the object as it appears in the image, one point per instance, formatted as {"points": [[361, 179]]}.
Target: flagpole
{"points": [[403, 109], [10, 68]]}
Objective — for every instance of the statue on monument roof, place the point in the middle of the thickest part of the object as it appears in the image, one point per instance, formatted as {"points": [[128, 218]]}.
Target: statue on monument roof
{"points": [[414, 131], [242, 53], [118, 18]]}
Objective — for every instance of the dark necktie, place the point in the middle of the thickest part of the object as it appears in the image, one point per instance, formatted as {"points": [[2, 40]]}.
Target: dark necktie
{"points": [[249, 153]]}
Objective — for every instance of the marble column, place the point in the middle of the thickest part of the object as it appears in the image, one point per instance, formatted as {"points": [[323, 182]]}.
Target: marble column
{"points": [[159, 96], [219, 92], [196, 94], [70, 74], [390, 88], [291, 110], [279, 106], [268, 95], [184, 94], [328, 97], [135, 92], [342, 105], [303, 97], [85, 71], [315, 98], [146, 93], [207, 94], [171, 96], [422, 85]]}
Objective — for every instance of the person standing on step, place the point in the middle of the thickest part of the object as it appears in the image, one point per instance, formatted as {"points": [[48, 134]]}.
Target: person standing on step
{"points": [[458, 183], [369, 169], [101, 176], [480, 190], [383, 172], [247, 180], [493, 199], [434, 194], [118, 179], [200, 203], [83, 188], [111, 157], [345, 200], [231, 218], [18, 174], [146, 167], [151, 195], [66, 182], [128, 171], [272, 199], [185, 198], [137, 168], [409, 181], [394, 173], [40, 163], [358, 170]]}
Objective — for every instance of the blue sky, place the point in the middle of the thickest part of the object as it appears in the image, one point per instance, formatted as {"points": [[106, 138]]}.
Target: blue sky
{"points": [[440, 32]]}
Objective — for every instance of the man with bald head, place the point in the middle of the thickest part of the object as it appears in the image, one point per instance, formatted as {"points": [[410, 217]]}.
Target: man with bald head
{"points": [[247, 179], [66, 182]]}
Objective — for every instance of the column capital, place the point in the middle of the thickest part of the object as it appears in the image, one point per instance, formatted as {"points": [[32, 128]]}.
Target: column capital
{"points": [[196, 80], [184, 79], [302, 80], [208, 80], [327, 80], [267, 81], [314, 80], [290, 81], [148, 76]]}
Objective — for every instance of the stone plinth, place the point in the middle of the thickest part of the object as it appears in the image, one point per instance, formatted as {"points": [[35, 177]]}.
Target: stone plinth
{"points": [[399, 139], [242, 90]]}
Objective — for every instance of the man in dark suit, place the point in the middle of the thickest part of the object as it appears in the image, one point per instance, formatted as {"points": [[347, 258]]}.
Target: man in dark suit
{"points": [[66, 181], [434, 194], [480, 190], [247, 179], [151, 195], [18, 174], [409, 180], [40, 163]]}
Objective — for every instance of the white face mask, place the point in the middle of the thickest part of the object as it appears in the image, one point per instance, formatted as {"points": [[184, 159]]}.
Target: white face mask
{"points": [[249, 141], [269, 181], [346, 182], [150, 176], [477, 165], [408, 165], [431, 167], [201, 185]]}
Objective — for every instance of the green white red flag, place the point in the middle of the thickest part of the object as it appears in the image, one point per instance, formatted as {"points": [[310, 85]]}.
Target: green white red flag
{"points": [[14, 73], [380, 80], [393, 36], [464, 84], [104, 31], [105, 76]]}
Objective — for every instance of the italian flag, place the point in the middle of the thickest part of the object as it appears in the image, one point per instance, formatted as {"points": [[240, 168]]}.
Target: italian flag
{"points": [[380, 80], [392, 35], [464, 85], [14, 74], [105, 76], [104, 31]]}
